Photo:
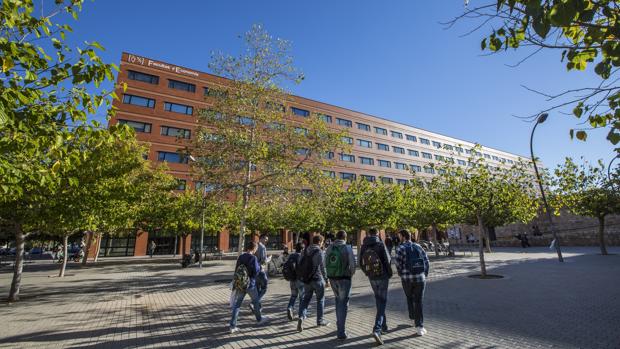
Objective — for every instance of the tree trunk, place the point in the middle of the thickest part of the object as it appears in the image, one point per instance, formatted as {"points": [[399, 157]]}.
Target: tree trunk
{"points": [[601, 235], [20, 239], [98, 242], [246, 199], [176, 245], [89, 239], [64, 261], [487, 240], [434, 239], [483, 267], [183, 238]]}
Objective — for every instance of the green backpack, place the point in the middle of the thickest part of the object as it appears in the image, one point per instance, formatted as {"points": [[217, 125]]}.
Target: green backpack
{"points": [[334, 264]]}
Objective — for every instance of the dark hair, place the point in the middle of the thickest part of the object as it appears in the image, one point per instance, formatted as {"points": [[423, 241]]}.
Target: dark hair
{"points": [[341, 235], [299, 247], [405, 233], [264, 235], [373, 231], [317, 239], [306, 237], [250, 245]]}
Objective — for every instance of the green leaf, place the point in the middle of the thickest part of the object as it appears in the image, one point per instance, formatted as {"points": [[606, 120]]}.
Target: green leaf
{"points": [[541, 26]]}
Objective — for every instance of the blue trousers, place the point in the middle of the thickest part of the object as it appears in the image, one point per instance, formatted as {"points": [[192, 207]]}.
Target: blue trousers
{"points": [[239, 300], [380, 289], [342, 293], [317, 286]]}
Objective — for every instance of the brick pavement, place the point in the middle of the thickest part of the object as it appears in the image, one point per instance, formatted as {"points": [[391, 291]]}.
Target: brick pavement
{"points": [[156, 304]]}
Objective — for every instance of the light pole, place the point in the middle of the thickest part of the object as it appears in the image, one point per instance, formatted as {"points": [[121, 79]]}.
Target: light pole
{"points": [[202, 220], [540, 120]]}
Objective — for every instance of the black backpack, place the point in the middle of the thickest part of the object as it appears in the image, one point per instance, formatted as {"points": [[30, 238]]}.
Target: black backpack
{"points": [[371, 264], [305, 268], [289, 268]]}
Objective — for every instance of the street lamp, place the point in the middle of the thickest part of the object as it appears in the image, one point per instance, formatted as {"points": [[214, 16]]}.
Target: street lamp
{"points": [[202, 221], [541, 118]]}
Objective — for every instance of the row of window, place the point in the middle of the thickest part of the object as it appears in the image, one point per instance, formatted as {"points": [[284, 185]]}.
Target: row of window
{"points": [[164, 130], [346, 176], [382, 163], [150, 103]]}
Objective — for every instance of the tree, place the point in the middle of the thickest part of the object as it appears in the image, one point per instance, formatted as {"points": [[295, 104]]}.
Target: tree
{"points": [[482, 192], [584, 32], [586, 190], [245, 143]]}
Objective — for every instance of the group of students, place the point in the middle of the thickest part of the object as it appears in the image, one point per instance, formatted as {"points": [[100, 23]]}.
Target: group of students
{"points": [[310, 268]]}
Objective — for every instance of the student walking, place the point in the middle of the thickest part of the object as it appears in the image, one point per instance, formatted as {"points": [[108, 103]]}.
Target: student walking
{"points": [[340, 267], [375, 263], [261, 278], [312, 273], [244, 282], [289, 271], [152, 247], [413, 266]]}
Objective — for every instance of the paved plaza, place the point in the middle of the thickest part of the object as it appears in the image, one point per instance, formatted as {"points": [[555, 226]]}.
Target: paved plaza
{"points": [[142, 303]]}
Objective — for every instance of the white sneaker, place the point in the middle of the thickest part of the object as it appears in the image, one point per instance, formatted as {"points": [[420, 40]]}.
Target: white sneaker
{"points": [[420, 330], [263, 320], [234, 329]]}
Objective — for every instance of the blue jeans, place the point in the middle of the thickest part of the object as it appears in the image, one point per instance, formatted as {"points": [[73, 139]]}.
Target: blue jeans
{"points": [[261, 285], [380, 288], [240, 295], [414, 291], [317, 286], [297, 289], [342, 292]]}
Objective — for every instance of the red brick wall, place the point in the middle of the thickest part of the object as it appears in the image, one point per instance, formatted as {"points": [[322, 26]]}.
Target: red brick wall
{"points": [[142, 242], [224, 240]]}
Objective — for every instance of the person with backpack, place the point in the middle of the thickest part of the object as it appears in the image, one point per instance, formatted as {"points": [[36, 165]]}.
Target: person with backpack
{"points": [[261, 279], [311, 271], [413, 266], [375, 263], [244, 282], [289, 271], [340, 267]]}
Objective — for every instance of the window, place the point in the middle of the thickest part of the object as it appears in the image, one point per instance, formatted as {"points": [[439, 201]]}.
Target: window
{"points": [[301, 131], [368, 178], [246, 120], [175, 132], [429, 170], [366, 161], [385, 163], [495, 158], [178, 108], [400, 181], [139, 101], [180, 85], [171, 157], [213, 92], [364, 143], [144, 77], [438, 157], [326, 118], [448, 147], [363, 127], [487, 156], [468, 151], [182, 183], [300, 112], [275, 106], [416, 168], [306, 192], [400, 166], [302, 151], [396, 134], [330, 174], [382, 146], [328, 155], [276, 125], [398, 150], [461, 162], [459, 149], [347, 176], [381, 131], [344, 122], [411, 138], [386, 180], [347, 157], [425, 141], [347, 140], [136, 125], [412, 152], [427, 155], [510, 161], [437, 145]]}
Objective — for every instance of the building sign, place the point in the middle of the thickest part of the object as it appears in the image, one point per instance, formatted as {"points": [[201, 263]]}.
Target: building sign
{"points": [[159, 65]]}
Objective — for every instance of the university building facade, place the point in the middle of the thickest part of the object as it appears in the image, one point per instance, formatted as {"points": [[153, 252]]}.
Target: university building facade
{"points": [[161, 103]]}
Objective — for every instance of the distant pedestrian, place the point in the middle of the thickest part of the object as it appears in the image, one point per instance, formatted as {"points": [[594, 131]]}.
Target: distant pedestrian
{"points": [[289, 271], [152, 247], [311, 271], [374, 261], [340, 267], [244, 282], [389, 244], [413, 266], [525, 242]]}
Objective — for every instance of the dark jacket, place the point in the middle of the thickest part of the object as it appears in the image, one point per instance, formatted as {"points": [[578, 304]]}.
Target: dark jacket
{"points": [[373, 242], [251, 263], [318, 265]]}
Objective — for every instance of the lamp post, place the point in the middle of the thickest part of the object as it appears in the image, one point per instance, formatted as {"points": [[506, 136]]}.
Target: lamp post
{"points": [[202, 220], [540, 120]]}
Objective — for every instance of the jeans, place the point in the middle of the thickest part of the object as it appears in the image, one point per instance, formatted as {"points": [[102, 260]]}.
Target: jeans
{"points": [[297, 289], [240, 295], [342, 293], [414, 291], [380, 288], [317, 286], [261, 285]]}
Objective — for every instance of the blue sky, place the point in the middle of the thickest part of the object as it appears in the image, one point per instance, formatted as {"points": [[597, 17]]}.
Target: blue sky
{"points": [[390, 59]]}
